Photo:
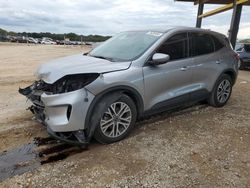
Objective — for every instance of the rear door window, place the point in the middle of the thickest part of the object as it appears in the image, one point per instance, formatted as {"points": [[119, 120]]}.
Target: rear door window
{"points": [[176, 47], [200, 44]]}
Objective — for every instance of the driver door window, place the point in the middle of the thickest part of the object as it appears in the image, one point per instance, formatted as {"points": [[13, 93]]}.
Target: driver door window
{"points": [[176, 47]]}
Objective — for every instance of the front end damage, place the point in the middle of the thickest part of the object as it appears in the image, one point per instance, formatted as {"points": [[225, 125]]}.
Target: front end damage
{"points": [[33, 93], [62, 106]]}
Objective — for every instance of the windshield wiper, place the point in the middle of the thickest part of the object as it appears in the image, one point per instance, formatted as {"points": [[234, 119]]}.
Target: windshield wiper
{"points": [[102, 57]]}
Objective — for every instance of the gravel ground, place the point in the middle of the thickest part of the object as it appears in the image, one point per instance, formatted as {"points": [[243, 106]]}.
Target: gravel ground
{"points": [[199, 146]]}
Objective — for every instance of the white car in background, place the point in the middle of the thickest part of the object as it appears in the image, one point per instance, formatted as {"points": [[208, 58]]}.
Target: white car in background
{"points": [[47, 41], [32, 40]]}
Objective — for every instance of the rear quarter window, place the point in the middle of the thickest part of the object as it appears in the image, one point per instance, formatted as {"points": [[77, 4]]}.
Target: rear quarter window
{"points": [[217, 43]]}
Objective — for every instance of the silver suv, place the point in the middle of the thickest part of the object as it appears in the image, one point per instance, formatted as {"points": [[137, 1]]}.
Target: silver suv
{"points": [[131, 75]]}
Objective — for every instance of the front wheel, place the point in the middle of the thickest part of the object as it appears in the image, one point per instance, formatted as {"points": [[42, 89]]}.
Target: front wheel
{"points": [[221, 92], [118, 117]]}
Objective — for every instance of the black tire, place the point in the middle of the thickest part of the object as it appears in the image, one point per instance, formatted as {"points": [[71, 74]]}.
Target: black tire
{"points": [[102, 107], [214, 100], [242, 67]]}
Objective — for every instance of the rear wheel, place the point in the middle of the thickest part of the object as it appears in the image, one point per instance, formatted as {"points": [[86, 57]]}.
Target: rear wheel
{"points": [[221, 92], [117, 118]]}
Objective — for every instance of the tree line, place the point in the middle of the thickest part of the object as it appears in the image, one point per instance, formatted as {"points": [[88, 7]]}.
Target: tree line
{"points": [[71, 36], [54, 36]]}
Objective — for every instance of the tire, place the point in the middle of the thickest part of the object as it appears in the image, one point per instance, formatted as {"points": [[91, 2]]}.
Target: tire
{"points": [[242, 67], [221, 91], [117, 117]]}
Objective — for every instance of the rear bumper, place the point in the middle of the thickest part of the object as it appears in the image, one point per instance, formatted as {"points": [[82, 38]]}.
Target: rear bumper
{"points": [[67, 112]]}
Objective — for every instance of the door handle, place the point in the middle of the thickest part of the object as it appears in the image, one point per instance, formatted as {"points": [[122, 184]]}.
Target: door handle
{"points": [[218, 61], [184, 68]]}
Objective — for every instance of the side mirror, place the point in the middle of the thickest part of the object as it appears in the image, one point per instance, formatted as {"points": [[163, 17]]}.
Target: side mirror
{"points": [[160, 58]]}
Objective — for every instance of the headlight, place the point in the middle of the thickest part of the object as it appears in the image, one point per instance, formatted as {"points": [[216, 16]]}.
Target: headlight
{"points": [[73, 82]]}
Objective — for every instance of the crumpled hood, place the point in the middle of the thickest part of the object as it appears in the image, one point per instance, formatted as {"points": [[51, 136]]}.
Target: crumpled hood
{"points": [[76, 64]]}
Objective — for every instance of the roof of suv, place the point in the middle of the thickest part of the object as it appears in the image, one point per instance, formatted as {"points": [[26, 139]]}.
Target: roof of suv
{"points": [[165, 30], [177, 28]]}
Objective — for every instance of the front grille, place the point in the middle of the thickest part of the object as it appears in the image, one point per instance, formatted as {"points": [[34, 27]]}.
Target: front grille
{"points": [[43, 86], [38, 88]]}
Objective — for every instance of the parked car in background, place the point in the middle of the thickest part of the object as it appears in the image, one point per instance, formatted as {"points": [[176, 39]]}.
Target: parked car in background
{"points": [[244, 52], [39, 40], [130, 76], [46, 40], [74, 42], [68, 42], [59, 42], [18, 39], [32, 40]]}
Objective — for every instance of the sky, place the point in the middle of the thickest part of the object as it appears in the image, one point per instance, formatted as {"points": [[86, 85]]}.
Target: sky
{"points": [[107, 17]]}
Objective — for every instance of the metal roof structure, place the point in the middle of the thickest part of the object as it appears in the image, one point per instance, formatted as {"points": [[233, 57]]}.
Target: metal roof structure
{"points": [[221, 2], [236, 5]]}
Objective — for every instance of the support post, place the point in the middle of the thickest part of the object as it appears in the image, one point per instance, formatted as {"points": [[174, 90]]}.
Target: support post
{"points": [[81, 41], [235, 22], [200, 12]]}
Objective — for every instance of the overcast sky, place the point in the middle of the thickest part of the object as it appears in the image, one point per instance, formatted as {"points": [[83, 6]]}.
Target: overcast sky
{"points": [[108, 17]]}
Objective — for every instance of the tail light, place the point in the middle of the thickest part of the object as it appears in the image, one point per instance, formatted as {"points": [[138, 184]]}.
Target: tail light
{"points": [[237, 56]]}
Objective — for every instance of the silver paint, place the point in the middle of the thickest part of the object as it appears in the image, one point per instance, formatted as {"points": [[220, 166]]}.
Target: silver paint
{"points": [[154, 84]]}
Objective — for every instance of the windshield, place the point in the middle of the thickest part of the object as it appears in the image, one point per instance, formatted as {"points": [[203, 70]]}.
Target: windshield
{"points": [[126, 46]]}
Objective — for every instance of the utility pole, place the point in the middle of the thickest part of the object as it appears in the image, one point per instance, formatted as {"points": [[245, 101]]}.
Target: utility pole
{"points": [[27, 40], [64, 39], [81, 41]]}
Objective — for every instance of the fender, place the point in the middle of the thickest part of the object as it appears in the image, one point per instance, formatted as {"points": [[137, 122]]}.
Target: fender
{"points": [[131, 92], [232, 73]]}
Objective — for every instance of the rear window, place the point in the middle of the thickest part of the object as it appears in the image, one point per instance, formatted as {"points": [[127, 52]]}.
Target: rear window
{"points": [[247, 47], [201, 44]]}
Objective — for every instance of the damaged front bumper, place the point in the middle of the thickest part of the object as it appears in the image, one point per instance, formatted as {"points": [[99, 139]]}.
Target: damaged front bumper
{"points": [[64, 114], [34, 95], [77, 138]]}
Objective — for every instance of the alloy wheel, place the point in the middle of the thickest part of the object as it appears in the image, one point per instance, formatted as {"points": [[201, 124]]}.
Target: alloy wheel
{"points": [[116, 120], [223, 91]]}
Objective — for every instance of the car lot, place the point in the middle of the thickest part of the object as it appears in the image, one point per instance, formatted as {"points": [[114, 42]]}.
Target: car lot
{"points": [[197, 146]]}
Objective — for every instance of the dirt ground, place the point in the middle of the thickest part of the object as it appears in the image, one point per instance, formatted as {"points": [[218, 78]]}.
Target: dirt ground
{"points": [[200, 146]]}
